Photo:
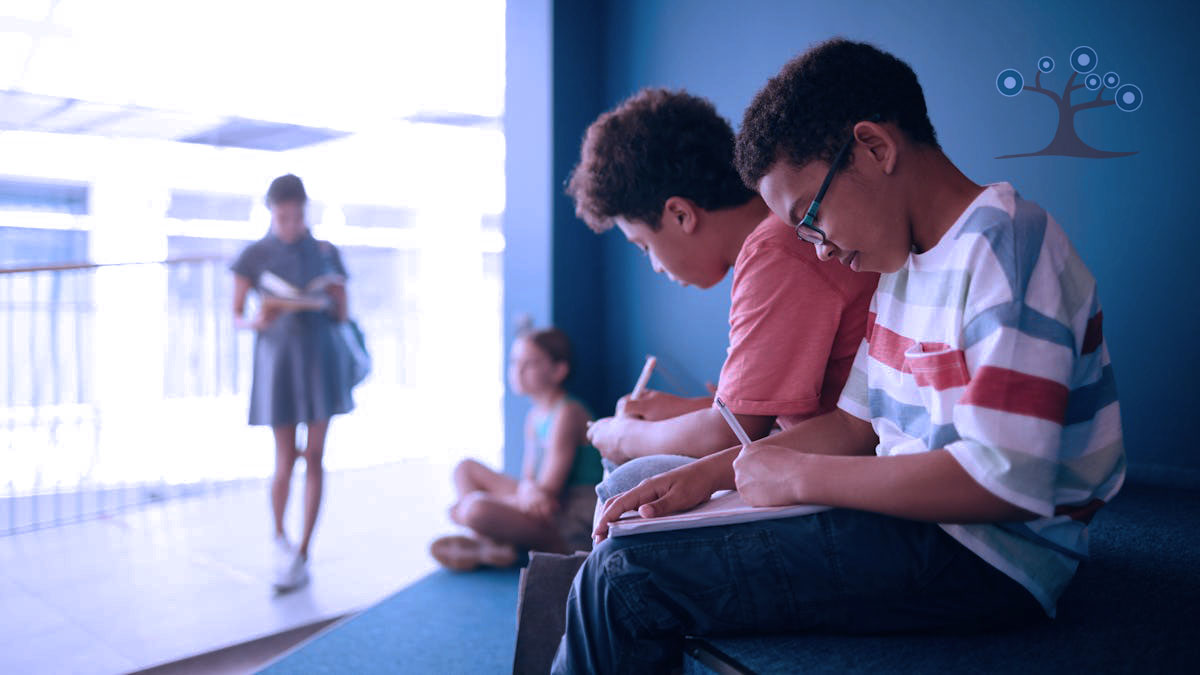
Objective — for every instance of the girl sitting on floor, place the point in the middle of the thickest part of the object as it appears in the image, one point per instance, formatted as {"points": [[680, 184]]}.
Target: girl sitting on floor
{"points": [[551, 507]]}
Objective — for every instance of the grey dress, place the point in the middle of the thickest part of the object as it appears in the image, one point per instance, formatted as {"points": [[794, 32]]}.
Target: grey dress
{"points": [[300, 374]]}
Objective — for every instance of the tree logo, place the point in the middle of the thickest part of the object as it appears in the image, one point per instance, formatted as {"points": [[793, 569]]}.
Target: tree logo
{"points": [[1066, 142]]}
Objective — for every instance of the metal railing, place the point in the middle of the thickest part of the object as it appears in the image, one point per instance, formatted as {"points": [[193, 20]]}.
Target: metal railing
{"points": [[125, 384]]}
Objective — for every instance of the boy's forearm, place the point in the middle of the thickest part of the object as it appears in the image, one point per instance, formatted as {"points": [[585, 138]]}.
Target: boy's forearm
{"points": [[696, 434], [834, 433], [719, 468], [927, 486], [692, 404]]}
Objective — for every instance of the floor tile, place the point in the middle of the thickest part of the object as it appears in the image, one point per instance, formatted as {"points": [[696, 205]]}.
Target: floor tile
{"points": [[191, 575]]}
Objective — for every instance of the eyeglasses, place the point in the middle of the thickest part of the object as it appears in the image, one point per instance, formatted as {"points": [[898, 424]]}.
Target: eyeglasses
{"points": [[806, 229]]}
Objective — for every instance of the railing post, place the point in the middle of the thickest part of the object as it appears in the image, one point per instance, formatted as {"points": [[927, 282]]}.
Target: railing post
{"points": [[33, 499], [12, 359], [35, 390], [55, 368]]}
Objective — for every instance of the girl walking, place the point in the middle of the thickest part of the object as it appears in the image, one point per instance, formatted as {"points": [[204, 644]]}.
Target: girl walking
{"points": [[297, 375]]}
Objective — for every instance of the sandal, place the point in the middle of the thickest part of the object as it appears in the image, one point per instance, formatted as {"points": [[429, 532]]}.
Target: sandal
{"points": [[463, 554]]}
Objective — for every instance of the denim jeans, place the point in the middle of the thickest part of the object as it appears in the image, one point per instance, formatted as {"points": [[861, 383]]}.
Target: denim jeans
{"points": [[842, 571], [626, 477]]}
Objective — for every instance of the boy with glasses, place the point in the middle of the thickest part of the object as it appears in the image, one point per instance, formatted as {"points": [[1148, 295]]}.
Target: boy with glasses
{"points": [[660, 168], [978, 433]]}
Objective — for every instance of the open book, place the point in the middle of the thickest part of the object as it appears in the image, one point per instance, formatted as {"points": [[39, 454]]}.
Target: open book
{"points": [[280, 294], [724, 508]]}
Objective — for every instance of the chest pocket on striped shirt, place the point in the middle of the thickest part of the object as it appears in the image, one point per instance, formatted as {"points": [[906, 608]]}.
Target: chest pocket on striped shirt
{"points": [[941, 374]]}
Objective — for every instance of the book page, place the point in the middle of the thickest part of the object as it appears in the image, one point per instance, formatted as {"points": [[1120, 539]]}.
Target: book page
{"points": [[300, 304], [324, 281], [275, 285], [724, 508], [278, 294]]}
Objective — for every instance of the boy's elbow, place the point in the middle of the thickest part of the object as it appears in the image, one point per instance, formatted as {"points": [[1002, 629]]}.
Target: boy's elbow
{"points": [[860, 432]]}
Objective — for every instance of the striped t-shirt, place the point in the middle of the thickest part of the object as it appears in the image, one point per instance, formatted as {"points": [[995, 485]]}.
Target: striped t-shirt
{"points": [[989, 345]]}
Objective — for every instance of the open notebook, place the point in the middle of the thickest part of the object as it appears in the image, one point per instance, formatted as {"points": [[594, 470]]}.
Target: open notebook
{"points": [[724, 508], [279, 294]]}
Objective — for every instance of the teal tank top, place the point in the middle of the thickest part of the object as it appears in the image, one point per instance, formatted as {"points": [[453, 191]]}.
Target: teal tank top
{"points": [[586, 469]]}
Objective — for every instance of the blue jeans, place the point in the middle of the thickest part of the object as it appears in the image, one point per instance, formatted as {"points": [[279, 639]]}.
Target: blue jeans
{"points": [[840, 571], [627, 476]]}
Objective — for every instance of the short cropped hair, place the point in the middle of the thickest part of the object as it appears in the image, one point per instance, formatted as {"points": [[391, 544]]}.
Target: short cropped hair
{"points": [[808, 111], [288, 188], [655, 145]]}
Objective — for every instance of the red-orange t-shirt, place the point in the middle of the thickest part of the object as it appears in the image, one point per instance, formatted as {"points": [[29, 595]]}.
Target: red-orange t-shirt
{"points": [[795, 325]]}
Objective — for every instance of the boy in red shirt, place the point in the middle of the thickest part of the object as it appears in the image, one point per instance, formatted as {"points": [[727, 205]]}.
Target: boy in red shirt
{"points": [[660, 168]]}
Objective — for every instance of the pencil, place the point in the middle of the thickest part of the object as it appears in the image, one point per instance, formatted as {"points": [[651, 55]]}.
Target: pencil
{"points": [[644, 378], [733, 423]]}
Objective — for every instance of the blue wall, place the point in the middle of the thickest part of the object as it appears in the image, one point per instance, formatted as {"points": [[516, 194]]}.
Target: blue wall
{"points": [[553, 266], [1129, 217], [528, 189], [577, 301]]}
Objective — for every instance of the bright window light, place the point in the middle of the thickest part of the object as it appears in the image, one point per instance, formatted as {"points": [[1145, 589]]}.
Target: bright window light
{"points": [[426, 289]]}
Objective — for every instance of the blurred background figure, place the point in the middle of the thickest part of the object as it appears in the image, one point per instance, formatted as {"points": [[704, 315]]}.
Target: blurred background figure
{"points": [[133, 161], [298, 375], [550, 507]]}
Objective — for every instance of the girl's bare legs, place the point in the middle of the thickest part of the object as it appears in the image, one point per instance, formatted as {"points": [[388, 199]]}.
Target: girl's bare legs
{"points": [[471, 476], [285, 460], [487, 505], [314, 479], [496, 518]]}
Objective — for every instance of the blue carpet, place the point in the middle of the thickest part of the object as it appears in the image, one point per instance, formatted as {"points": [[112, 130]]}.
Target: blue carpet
{"points": [[1134, 607], [446, 624]]}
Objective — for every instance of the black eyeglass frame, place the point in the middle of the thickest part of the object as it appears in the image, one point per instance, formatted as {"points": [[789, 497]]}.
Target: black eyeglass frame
{"points": [[808, 222]]}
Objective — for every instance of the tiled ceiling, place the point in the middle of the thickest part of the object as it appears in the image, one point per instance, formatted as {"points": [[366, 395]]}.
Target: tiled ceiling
{"points": [[259, 74]]}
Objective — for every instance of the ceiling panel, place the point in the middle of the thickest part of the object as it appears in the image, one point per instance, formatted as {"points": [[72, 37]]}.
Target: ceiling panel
{"points": [[77, 117], [19, 110], [158, 124]]}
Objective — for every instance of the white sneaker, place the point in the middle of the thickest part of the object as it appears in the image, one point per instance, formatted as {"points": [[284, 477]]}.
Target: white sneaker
{"points": [[293, 575], [283, 547]]}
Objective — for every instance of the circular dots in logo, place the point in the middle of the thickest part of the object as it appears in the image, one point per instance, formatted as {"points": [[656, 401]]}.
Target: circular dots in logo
{"points": [[1083, 59], [1111, 80], [1092, 81], [1128, 97], [1010, 82], [1045, 64]]}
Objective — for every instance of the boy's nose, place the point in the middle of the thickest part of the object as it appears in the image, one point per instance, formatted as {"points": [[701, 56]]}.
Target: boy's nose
{"points": [[827, 251]]}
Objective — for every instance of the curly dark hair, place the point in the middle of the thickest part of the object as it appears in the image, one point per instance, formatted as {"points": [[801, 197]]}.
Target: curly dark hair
{"points": [[808, 110], [286, 188], [655, 145]]}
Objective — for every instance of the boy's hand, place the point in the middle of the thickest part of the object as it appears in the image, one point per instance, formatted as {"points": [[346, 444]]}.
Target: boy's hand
{"points": [[770, 475], [671, 492], [652, 406], [605, 435]]}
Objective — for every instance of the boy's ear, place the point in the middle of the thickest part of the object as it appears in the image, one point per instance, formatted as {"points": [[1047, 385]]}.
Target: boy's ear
{"points": [[680, 212], [880, 142]]}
